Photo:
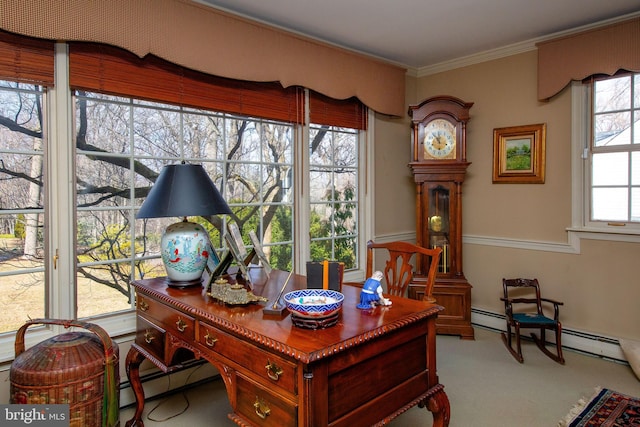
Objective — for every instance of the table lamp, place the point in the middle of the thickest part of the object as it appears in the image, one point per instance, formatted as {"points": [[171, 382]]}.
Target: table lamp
{"points": [[184, 190]]}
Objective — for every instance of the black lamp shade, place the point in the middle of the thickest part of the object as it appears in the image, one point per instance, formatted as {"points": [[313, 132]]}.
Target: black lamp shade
{"points": [[183, 190]]}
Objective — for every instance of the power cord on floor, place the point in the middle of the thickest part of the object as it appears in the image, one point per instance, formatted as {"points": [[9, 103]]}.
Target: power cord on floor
{"points": [[184, 396]]}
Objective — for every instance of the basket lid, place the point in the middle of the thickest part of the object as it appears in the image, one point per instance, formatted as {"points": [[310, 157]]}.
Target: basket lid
{"points": [[71, 355]]}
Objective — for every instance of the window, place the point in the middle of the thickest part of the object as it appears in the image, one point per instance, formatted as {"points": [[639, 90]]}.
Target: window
{"points": [[121, 146], [615, 150], [22, 207], [101, 167], [335, 148], [606, 138], [333, 179]]}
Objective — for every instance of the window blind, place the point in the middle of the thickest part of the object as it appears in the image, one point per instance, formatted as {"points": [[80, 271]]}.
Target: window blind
{"points": [[108, 69], [348, 113], [26, 59]]}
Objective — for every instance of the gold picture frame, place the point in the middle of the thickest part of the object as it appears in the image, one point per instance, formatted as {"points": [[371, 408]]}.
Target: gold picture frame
{"points": [[519, 154]]}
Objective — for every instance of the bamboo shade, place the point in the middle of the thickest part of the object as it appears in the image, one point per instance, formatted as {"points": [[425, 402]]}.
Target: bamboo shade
{"points": [[97, 67], [349, 113], [25, 59]]}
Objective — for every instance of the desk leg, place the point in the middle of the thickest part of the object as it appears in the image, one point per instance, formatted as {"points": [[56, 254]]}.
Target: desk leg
{"points": [[438, 404], [134, 359]]}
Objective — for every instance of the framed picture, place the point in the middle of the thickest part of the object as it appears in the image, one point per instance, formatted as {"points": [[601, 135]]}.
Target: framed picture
{"points": [[212, 263], [239, 247], [226, 259], [257, 247], [239, 257], [519, 154]]}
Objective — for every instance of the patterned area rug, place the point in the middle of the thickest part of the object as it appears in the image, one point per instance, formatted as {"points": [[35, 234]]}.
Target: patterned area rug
{"points": [[607, 408]]}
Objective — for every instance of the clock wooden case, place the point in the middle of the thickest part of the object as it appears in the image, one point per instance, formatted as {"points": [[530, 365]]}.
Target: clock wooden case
{"points": [[439, 164]]}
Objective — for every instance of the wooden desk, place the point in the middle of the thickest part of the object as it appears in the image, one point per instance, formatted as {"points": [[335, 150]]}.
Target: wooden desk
{"points": [[367, 369]]}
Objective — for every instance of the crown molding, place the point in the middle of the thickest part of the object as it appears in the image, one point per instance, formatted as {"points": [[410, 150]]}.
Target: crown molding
{"points": [[509, 50], [477, 58]]}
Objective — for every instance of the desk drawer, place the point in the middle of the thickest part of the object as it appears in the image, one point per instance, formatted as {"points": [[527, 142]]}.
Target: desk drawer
{"points": [[262, 406], [180, 324], [150, 337], [270, 368]]}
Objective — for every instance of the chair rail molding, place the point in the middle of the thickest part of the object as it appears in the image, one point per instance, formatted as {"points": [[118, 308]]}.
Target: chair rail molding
{"points": [[571, 247], [407, 236], [574, 236]]}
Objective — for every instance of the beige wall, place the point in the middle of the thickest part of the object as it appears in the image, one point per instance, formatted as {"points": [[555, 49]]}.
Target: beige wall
{"points": [[599, 285], [393, 187]]}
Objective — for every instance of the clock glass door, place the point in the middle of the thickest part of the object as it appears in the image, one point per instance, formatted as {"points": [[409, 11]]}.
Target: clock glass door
{"points": [[439, 222]]}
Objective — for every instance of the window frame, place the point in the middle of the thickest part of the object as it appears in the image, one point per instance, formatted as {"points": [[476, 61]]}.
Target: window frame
{"points": [[581, 155], [61, 200]]}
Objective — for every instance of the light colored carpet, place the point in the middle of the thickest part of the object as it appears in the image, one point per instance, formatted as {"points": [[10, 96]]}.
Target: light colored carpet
{"points": [[631, 350], [485, 385]]}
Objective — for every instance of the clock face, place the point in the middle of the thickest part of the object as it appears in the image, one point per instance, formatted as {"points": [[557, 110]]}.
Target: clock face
{"points": [[439, 140]]}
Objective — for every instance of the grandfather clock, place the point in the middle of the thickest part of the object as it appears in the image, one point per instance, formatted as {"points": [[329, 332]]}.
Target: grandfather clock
{"points": [[439, 164]]}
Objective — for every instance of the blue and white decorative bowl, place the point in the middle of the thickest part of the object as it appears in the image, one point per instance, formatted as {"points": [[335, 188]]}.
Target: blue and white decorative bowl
{"points": [[314, 303]]}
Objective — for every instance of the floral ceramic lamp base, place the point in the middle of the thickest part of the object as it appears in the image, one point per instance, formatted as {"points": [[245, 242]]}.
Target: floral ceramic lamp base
{"points": [[185, 251]]}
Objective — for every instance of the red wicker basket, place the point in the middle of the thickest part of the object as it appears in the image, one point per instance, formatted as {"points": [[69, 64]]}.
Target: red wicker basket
{"points": [[77, 368]]}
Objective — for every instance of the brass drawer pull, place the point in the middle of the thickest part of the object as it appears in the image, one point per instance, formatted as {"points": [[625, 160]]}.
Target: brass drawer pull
{"points": [[144, 306], [273, 371], [210, 340], [181, 324], [262, 409], [148, 336]]}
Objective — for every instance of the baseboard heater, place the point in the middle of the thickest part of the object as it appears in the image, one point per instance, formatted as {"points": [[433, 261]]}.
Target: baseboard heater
{"points": [[158, 384], [583, 342]]}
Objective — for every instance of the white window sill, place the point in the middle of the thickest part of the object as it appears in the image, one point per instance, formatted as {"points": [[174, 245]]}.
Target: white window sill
{"points": [[630, 235], [120, 325]]}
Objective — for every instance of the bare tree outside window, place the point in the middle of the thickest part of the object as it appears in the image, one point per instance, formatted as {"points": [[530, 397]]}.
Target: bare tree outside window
{"points": [[615, 167], [120, 147], [22, 281], [333, 178], [122, 144]]}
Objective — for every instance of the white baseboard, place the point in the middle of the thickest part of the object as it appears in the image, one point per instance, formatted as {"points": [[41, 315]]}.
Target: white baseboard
{"points": [[595, 345]]}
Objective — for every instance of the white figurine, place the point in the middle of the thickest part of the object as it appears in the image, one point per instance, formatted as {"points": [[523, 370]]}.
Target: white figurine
{"points": [[371, 293]]}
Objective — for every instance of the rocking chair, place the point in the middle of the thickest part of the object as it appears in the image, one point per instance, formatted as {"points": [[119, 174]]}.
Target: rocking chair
{"points": [[527, 291]]}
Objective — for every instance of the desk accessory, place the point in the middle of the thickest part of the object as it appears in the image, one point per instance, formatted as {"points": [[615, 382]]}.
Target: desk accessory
{"points": [[325, 275], [277, 308], [314, 308], [257, 248], [314, 303], [232, 294], [220, 270], [239, 256]]}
